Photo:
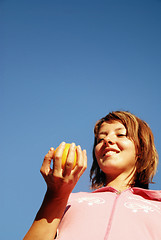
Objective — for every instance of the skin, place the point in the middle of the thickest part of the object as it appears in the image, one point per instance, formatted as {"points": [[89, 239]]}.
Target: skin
{"points": [[60, 183], [116, 155]]}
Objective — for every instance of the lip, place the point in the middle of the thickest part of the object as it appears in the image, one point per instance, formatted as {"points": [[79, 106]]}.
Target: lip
{"points": [[110, 151]]}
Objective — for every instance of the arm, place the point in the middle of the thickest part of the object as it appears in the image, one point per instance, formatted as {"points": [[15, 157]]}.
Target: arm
{"points": [[60, 183]]}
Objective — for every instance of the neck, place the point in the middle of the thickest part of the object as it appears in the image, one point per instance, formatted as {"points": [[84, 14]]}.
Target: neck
{"points": [[120, 183]]}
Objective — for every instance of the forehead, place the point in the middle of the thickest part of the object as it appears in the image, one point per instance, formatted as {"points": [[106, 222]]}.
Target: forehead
{"points": [[111, 126]]}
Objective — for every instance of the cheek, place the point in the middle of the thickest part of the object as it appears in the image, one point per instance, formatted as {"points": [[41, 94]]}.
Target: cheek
{"points": [[97, 151], [127, 144], [128, 147], [131, 149]]}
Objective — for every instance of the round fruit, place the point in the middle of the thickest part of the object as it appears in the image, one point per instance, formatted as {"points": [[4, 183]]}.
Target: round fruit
{"points": [[65, 154]]}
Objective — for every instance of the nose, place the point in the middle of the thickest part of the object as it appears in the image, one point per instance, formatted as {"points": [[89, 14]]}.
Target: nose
{"points": [[109, 140]]}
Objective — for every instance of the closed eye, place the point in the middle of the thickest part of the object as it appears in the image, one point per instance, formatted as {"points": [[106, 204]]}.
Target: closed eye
{"points": [[121, 135], [99, 140]]}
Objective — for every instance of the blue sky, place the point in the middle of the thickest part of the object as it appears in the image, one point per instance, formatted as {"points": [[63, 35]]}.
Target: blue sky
{"points": [[64, 65]]}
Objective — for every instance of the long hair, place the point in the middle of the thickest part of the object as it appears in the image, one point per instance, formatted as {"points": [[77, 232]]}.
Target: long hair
{"points": [[147, 157]]}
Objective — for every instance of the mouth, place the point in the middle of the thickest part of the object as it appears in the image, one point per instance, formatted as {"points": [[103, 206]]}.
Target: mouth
{"points": [[110, 152]]}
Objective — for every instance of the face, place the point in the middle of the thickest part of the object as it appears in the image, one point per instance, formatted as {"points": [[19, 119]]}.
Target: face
{"points": [[115, 152]]}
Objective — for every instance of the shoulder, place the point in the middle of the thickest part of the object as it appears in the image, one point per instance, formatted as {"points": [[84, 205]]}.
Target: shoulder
{"points": [[148, 194]]}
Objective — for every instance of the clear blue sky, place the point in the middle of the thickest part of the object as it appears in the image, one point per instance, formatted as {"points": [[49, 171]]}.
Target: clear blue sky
{"points": [[64, 65]]}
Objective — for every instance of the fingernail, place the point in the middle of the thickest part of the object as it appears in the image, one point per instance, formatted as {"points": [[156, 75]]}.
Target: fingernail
{"points": [[79, 147], [73, 145]]}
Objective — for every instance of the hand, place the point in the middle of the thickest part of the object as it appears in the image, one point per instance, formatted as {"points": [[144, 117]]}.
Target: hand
{"points": [[60, 182]]}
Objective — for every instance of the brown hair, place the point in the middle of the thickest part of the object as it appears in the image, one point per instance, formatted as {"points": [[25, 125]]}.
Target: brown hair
{"points": [[147, 157]]}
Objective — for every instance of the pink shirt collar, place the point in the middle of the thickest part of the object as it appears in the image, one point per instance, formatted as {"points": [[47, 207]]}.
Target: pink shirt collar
{"points": [[146, 193]]}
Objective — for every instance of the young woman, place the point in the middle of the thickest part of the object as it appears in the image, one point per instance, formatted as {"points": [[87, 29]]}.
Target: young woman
{"points": [[124, 163]]}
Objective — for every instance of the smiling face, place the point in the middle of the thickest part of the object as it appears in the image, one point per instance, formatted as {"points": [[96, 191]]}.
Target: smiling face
{"points": [[115, 151]]}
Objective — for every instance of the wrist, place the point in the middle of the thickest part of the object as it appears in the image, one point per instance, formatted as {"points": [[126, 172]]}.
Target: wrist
{"points": [[52, 206]]}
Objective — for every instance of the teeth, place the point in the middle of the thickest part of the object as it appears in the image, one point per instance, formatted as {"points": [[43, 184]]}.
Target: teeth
{"points": [[110, 153]]}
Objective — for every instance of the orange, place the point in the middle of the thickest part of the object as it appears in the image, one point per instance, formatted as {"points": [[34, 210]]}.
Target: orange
{"points": [[65, 154]]}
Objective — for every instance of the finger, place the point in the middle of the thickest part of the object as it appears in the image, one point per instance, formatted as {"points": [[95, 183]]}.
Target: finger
{"points": [[84, 163], [45, 168], [79, 157], [57, 163], [81, 163], [85, 158], [70, 160]]}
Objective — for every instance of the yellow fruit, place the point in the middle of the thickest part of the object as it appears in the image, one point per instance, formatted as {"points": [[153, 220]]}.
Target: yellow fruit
{"points": [[65, 154]]}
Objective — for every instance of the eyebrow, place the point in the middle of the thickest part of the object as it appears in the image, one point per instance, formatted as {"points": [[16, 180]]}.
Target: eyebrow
{"points": [[117, 129]]}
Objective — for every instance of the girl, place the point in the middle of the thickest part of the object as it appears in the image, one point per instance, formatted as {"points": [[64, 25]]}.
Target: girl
{"points": [[121, 207]]}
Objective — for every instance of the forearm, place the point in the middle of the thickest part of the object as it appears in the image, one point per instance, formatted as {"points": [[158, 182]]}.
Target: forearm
{"points": [[47, 219], [60, 183]]}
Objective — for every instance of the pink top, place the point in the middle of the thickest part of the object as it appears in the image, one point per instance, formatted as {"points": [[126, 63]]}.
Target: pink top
{"points": [[133, 214]]}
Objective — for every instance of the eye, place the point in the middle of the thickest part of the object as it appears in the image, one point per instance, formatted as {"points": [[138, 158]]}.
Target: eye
{"points": [[121, 135], [99, 140]]}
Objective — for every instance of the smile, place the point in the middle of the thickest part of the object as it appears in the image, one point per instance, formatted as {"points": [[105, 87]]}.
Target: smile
{"points": [[110, 153]]}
